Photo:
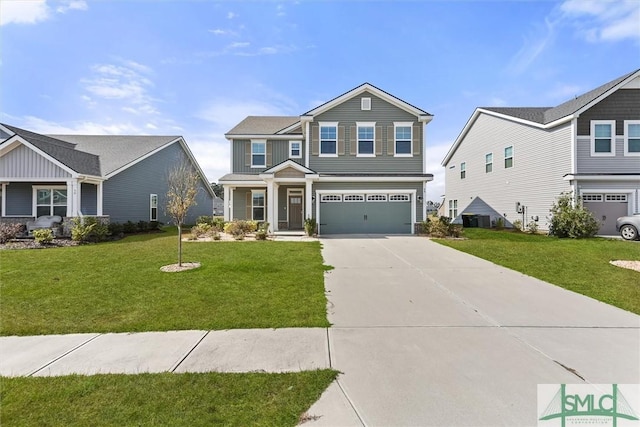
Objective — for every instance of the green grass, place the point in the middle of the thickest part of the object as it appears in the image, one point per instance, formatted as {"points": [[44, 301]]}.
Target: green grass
{"points": [[205, 399], [578, 265], [118, 287]]}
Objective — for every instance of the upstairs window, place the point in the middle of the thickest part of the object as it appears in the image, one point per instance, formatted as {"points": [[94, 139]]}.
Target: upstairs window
{"points": [[508, 157], [632, 137], [488, 162], [404, 136], [366, 139], [328, 140], [602, 138], [258, 154], [295, 149], [463, 170]]}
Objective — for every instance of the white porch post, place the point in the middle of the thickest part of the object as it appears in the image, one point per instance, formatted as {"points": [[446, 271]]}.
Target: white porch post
{"points": [[275, 218], [99, 199], [73, 198], [227, 203], [4, 199], [270, 199], [307, 199]]}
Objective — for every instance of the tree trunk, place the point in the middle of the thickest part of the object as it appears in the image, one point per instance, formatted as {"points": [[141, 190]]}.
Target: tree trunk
{"points": [[179, 244]]}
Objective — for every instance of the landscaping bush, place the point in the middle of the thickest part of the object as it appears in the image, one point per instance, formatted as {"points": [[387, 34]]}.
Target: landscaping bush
{"points": [[569, 218], [310, 226], [154, 225], [202, 230], [532, 227], [43, 236], [218, 223], [205, 219], [499, 223], [115, 229], [9, 231], [129, 227], [517, 225], [143, 226], [89, 229], [261, 234], [440, 227]]}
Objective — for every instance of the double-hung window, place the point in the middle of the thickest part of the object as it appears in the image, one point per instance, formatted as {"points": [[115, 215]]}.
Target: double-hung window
{"points": [[295, 149], [508, 157], [366, 139], [328, 139], [463, 170], [403, 138], [453, 209], [603, 137], [488, 162], [50, 201], [257, 205], [632, 137], [258, 154]]}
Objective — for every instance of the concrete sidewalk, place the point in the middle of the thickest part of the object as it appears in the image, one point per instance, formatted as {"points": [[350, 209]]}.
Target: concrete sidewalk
{"points": [[239, 350]]}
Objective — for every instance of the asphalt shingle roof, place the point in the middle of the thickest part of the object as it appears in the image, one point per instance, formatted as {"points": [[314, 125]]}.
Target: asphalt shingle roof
{"points": [[263, 125]]}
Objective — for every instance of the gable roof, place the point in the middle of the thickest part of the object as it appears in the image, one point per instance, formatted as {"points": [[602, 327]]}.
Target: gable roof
{"points": [[546, 117], [263, 125], [62, 151]]}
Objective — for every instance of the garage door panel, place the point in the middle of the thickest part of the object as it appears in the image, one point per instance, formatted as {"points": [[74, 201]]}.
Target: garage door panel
{"points": [[606, 211]]}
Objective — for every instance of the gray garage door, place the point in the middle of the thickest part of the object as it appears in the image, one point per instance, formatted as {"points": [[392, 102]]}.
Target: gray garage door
{"points": [[366, 213], [606, 208]]}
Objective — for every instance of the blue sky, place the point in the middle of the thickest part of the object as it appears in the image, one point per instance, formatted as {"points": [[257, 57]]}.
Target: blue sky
{"points": [[196, 68]]}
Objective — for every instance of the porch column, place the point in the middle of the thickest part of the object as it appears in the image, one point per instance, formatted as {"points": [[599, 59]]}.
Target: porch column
{"points": [[275, 211], [73, 198], [308, 202], [99, 199], [270, 200], [227, 203]]}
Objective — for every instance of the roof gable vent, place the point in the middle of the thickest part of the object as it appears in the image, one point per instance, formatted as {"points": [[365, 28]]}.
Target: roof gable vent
{"points": [[365, 104]]}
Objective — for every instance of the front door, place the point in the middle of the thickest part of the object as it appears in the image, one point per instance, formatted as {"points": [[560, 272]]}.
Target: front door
{"points": [[295, 212]]}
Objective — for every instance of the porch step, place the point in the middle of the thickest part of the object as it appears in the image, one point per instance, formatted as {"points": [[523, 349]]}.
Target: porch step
{"points": [[289, 233]]}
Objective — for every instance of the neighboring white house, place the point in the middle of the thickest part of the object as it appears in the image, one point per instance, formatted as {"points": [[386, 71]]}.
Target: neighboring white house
{"points": [[513, 162]]}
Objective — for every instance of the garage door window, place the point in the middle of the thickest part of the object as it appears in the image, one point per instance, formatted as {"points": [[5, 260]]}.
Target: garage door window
{"points": [[331, 198], [615, 197], [354, 198], [398, 197], [376, 198], [592, 197]]}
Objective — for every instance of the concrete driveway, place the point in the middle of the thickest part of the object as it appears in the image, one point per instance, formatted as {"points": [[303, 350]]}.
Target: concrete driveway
{"points": [[428, 336]]}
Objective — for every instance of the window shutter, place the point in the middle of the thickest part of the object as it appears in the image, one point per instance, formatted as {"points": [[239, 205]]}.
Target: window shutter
{"points": [[353, 140], [248, 213], [390, 141], [378, 141], [247, 154], [315, 140], [269, 156], [417, 139], [341, 140]]}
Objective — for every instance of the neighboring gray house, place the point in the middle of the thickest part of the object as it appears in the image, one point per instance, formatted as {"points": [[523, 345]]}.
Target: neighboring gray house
{"points": [[355, 163], [515, 162], [120, 177]]}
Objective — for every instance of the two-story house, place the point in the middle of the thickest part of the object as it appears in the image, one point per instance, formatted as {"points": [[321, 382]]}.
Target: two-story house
{"points": [[356, 164], [514, 162]]}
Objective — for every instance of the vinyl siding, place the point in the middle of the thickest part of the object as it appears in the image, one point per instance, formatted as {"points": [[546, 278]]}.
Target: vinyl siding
{"points": [[279, 150], [383, 114], [126, 195], [23, 162], [241, 210], [540, 160], [605, 164], [619, 106]]}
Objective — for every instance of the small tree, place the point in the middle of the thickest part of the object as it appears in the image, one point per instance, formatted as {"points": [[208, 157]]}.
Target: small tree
{"points": [[570, 219], [182, 184]]}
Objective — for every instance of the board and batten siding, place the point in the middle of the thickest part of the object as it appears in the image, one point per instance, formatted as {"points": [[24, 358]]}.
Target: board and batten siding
{"points": [[277, 152], [126, 195], [23, 162], [540, 160], [366, 186], [384, 114]]}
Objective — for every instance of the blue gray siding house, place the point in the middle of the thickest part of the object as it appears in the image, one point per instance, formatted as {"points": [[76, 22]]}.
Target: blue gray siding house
{"points": [[518, 160], [123, 178], [356, 164]]}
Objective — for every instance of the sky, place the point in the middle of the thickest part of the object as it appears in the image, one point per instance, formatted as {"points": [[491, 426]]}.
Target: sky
{"points": [[196, 68]]}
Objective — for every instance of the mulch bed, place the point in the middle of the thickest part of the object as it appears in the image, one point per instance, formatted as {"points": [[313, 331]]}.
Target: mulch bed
{"points": [[32, 244]]}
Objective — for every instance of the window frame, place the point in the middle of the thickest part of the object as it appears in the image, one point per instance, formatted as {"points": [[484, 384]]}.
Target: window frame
{"points": [[153, 204], [463, 170], [320, 139], [360, 125], [254, 207], [506, 158], [626, 137], [51, 205], [299, 155], [453, 208], [365, 103], [612, 126], [262, 142], [397, 125], [488, 162]]}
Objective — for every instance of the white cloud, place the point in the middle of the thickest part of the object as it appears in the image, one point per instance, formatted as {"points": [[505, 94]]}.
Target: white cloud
{"points": [[23, 11], [72, 5], [237, 45], [43, 126], [604, 20], [231, 15], [533, 46]]}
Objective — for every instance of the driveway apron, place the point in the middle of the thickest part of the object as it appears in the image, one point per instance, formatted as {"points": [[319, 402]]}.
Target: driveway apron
{"points": [[425, 335]]}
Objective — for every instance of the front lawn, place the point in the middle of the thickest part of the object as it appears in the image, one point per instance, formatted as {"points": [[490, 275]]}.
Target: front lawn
{"points": [[580, 265], [206, 399], [118, 287]]}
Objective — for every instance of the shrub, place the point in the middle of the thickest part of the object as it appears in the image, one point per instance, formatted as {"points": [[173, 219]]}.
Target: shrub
{"points": [[115, 229], [129, 227], [499, 223], [81, 229], [201, 230], [310, 226], [571, 219], [43, 236], [205, 219], [517, 225], [9, 231], [142, 226], [532, 227], [218, 223], [261, 234], [154, 225]]}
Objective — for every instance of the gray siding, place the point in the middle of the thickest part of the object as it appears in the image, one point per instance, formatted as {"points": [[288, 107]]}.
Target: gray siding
{"points": [[23, 162], [619, 106], [277, 152], [384, 114], [605, 164], [126, 195], [19, 197], [88, 201], [240, 206], [541, 159]]}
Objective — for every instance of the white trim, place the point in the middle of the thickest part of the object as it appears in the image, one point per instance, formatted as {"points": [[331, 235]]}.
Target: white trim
{"points": [[291, 156], [263, 142], [630, 192], [612, 137], [286, 164], [232, 136], [395, 139], [506, 158], [365, 103], [307, 144], [486, 163], [602, 178], [368, 125], [354, 198], [320, 126], [264, 207], [463, 169], [295, 192], [626, 137], [34, 199], [9, 145], [4, 199], [290, 128], [151, 207], [574, 144], [375, 179]]}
